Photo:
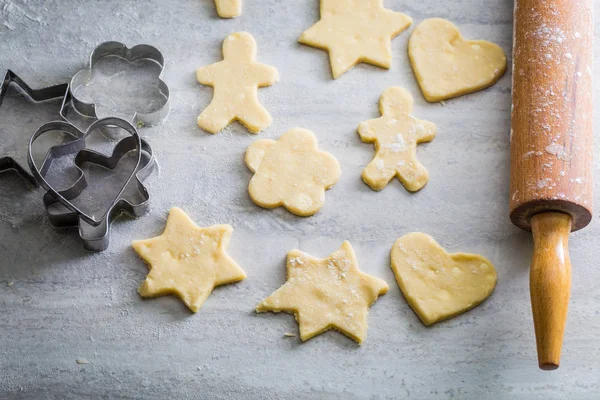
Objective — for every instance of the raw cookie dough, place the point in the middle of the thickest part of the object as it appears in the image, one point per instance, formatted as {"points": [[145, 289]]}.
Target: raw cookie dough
{"points": [[329, 293], [236, 80], [187, 261], [396, 135], [438, 285], [229, 8], [446, 65], [291, 172], [355, 31]]}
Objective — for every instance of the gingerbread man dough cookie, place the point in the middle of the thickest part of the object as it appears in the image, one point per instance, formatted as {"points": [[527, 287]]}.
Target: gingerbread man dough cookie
{"points": [[438, 285], [236, 80], [355, 31], [187, 261], [329, 293], [396, 135], [291, 172], [229, 8], [446, 65]]}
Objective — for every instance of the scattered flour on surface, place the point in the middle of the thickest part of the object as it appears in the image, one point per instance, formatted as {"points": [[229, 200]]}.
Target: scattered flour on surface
{"points": [[558, 150]]}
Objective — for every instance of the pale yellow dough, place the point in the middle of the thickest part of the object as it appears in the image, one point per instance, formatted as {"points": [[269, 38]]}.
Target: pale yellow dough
{"points": [[187, 261], [396, 135], [229, 8], [291, 172], [236, 80], [438, 285], [446, 65], [355, 31], [329, 293]]}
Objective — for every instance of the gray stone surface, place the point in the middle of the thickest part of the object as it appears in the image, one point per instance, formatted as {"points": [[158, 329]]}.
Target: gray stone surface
{"points": [[59, 304]]}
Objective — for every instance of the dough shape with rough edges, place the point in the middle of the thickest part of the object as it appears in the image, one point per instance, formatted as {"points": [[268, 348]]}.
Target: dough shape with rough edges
{"points": [[328, 293], [236, 80], [436, 284], [355, 31], [446, 65], [229, 8], [291, 172], [187, 261], [396, 135]]}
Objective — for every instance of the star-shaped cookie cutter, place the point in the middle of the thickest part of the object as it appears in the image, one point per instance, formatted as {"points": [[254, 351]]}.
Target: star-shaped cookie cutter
{"points": [[36, 96], [117, 49], [95, 232]]}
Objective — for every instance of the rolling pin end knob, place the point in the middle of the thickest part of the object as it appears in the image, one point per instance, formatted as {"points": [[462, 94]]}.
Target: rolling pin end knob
{"points": [[550, 284]]}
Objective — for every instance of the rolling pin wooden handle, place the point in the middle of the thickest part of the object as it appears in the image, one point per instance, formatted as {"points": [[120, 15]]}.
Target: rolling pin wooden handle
{"points": [[550, 284], [551, 150]]}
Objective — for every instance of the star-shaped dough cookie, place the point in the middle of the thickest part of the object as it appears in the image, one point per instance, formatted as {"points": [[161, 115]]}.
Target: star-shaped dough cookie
{"points": [[329, 293], [229, 8], [291, 172], [236, 80], [396, 135], [187, 261], [355, 31]]}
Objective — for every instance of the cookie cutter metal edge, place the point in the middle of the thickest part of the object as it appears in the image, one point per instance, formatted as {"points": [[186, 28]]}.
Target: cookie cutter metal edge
{"points": [[99, 238], [118, 49], [36, 96]]}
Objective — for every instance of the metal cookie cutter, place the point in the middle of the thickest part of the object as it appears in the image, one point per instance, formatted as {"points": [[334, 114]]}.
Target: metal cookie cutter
{"points": [[36, 96], [117, 49], [95, 232]]}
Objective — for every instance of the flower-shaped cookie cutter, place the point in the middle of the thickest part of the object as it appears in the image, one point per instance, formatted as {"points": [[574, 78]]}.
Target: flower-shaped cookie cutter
{"points": [[95, 232], [117, 49], [35, 96]]}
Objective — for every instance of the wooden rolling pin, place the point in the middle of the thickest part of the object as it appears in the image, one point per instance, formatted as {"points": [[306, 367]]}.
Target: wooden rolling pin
{"points": [[551, 151]]}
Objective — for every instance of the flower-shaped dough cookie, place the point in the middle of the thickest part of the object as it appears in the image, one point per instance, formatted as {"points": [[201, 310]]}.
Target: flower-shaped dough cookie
{"points": [[355, 31], [396, 135], [229, 8], [236, 80], [291, 172]]}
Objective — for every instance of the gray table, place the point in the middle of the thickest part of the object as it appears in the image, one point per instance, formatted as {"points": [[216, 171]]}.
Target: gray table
{"points": [[60, 304]]}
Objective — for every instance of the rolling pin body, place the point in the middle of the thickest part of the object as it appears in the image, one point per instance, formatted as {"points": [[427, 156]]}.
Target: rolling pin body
{"points": [[551, 150], [551, 137]]}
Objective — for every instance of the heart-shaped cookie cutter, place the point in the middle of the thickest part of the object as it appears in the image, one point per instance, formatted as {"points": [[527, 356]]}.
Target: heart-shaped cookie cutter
{"points": [[117, 49], [36, 96], [95, 232]]}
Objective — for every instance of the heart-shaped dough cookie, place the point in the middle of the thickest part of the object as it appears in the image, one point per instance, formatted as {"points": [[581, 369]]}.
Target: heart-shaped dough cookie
{"points": [[436, 284], [446, 65]]}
